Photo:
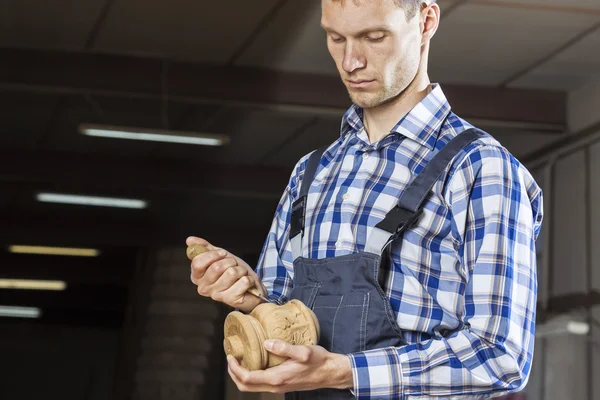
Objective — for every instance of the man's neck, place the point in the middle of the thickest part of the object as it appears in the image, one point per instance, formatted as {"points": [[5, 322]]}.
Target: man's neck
{"points": [[379, 121]]}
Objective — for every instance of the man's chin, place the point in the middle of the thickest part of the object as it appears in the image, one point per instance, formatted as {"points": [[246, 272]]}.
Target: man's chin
{"points": [[365, 101]]}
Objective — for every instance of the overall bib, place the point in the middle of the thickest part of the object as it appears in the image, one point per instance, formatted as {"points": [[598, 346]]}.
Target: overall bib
{"points": [[345, 292]]}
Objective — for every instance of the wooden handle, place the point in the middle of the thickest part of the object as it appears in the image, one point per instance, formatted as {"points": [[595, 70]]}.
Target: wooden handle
{"points": [[195, 249]]}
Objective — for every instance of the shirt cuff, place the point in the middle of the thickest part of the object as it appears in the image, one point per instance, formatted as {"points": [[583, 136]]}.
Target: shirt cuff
{"points": [[377, 374]]}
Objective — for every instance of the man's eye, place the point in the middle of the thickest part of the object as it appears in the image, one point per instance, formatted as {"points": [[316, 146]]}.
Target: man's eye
{"points": [[336, 39], [375, 39]]}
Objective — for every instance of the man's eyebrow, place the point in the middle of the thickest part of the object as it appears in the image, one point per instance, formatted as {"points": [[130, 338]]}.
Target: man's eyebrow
{"points": [[326, 28], [363, 32]]}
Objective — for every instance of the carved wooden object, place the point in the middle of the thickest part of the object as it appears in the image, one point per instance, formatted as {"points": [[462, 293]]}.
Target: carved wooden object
{"points": [[244, 335]]}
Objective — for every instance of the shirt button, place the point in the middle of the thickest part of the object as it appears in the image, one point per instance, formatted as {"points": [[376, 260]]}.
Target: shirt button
{"points": [[346, 196], [338, 243], [365, 156]]}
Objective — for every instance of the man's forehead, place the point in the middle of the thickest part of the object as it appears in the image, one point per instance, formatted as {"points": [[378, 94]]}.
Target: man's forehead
{"points": [[353, 17]]}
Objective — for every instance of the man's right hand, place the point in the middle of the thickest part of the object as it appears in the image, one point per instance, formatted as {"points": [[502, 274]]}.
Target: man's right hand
{"points": [[224, 277]]}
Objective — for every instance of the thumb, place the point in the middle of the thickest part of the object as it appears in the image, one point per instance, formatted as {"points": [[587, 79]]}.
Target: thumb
{"points": [[284, 349], [197, 240]]}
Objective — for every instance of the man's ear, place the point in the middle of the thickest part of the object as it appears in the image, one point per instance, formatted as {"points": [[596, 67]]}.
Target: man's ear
{"points": [[430, 19]]}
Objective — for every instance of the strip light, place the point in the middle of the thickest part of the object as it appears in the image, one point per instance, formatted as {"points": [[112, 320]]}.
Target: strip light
{"points": [[91, 200], [153, 135], [20, 312], [54, 251], [30, 284]]}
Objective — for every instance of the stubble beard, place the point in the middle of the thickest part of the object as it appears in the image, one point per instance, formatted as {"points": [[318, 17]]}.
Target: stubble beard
{"points": [[381, 96], [400, 83]]}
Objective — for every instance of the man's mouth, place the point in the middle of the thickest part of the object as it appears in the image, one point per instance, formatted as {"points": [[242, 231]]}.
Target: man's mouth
{"points": [[359, 83]]}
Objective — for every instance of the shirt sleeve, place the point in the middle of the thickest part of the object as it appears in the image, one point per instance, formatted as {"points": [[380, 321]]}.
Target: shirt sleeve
{"points": [[275, 264], [496, 212]]}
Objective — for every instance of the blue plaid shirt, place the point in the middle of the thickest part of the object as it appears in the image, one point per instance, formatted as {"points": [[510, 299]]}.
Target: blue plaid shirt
{"points": [[463, 284]]}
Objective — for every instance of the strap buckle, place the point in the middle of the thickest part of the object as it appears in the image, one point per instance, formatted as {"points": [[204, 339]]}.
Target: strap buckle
{"points": [[406, 219], [297, 217]]}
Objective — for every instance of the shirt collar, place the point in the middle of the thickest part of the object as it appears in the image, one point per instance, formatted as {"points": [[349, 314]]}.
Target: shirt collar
{"points": [[421, 124]]}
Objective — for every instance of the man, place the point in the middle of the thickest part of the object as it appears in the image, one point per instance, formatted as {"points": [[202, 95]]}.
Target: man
{"points": [[424, 288]]}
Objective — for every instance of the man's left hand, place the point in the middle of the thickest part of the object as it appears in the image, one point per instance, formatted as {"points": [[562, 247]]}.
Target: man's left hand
{"points": [[308, 368]]}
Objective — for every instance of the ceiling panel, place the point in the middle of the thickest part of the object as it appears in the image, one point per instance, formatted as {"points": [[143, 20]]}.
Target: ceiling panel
{"points": [[57, 24], [24, 118], [570, 69], [294, 41], [567, 6], [474, 44], [205, 31]]}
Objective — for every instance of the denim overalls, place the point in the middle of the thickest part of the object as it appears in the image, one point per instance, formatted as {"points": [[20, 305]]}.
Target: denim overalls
{"points": [[345, 292]]}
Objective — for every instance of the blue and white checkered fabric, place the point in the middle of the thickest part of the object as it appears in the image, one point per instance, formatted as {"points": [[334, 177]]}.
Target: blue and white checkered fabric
{"points": [[463, 283]]}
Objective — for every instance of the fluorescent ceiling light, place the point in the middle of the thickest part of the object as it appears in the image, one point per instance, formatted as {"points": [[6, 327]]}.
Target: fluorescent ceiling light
{"points": [[29, 284], [153, 135], [91, 200], [20, 312], [54, 251]]}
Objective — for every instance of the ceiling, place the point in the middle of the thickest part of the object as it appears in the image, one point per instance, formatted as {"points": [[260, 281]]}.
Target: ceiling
{"points": [[257, 71]]}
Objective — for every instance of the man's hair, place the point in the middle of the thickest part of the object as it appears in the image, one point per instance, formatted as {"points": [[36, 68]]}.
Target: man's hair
{"points": [[411, 7]]}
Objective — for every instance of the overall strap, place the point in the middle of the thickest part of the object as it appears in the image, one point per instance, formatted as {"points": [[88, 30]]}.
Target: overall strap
{"points": [[299, 206], [410, 204]]}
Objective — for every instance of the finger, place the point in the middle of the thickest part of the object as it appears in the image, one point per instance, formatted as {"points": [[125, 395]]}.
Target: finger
{"points": [[227, 273], [254, 381], [301, 354], [238, 292], [222, 271], [237, 374], [201, 262]]}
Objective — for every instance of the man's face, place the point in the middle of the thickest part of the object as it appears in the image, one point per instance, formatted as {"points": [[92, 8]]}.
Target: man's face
{"points": [[376, 51]]}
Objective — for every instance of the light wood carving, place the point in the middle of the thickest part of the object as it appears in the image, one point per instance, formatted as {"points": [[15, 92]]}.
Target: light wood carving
{"points": [[244, 334]]}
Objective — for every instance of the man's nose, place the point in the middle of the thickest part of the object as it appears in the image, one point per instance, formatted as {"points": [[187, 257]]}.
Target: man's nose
{"points": [[353, 59]]}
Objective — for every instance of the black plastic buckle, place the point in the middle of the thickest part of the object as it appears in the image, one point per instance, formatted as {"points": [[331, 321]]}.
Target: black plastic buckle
{"points": [[406, 217], [297, 218]]}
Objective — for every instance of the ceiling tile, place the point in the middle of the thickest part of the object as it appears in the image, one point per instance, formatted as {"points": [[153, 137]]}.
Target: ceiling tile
{"points": [[570, 69], [57, 24], [548, 80], [566, 6], [485, 45], [190, 30]]}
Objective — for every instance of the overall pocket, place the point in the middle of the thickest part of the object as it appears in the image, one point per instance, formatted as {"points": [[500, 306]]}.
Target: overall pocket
{"points": [[343, 321], [306, 293]]}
